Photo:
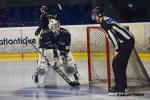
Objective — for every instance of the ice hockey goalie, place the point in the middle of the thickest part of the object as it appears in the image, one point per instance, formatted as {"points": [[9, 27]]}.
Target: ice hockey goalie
{"points": [[59, 40]]}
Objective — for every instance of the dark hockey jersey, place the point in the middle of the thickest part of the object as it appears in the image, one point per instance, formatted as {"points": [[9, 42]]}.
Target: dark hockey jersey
{"points": [[44, 21], [49, 40], [63, 39]]}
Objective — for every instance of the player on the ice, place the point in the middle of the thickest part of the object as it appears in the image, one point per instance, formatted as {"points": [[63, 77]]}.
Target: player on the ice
{"points": [[61, 38], [44, 20], [40, 34], [123, 42]]}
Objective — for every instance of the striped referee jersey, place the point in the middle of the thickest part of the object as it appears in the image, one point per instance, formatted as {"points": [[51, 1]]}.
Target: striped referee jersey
{"points": [[115, 32]]}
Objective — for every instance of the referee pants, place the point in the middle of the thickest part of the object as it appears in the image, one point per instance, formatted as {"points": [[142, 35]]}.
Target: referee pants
{"points": [[120, 63]]}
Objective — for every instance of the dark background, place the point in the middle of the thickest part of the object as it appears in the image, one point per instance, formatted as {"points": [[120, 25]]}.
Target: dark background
{"points": [[16, 13]]}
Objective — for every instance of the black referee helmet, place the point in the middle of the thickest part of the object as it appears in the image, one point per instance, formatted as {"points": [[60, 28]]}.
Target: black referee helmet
{"points": [[97, 11]]}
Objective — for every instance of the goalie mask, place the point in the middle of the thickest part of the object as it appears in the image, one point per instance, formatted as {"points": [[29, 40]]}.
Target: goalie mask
{"points": [[54, 26]]}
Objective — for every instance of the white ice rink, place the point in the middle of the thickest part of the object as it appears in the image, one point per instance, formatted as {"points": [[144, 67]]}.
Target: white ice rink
{"points": [[16, 84]]}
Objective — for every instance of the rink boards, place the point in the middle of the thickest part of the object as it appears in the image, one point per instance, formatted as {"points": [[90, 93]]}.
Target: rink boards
{"points": [[17, 39]]}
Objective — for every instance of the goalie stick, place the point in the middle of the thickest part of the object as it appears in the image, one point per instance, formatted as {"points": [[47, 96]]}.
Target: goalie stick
{"points": [[56, 68]]}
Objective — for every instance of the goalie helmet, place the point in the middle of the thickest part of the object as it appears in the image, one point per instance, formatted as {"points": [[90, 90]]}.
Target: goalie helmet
{"points": [[54, 26], [97, 12]]}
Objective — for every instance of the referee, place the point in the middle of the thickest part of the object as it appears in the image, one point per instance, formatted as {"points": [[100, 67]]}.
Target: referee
{"points": [[123, 41]]}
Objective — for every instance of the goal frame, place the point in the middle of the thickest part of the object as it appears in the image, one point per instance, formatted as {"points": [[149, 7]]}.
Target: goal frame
{"points": [[107, 55]]}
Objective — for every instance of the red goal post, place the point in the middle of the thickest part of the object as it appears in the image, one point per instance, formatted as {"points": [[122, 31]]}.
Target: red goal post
{"points": [[89, 55]]}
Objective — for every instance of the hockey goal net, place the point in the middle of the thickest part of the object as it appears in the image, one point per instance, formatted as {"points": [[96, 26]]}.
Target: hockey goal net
{"points": [[100, 55]]}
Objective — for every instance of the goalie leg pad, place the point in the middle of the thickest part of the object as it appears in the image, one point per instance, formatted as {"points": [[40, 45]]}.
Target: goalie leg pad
{"points": [[41, 58], [70, 67], [69, 70], [41, 70]]}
